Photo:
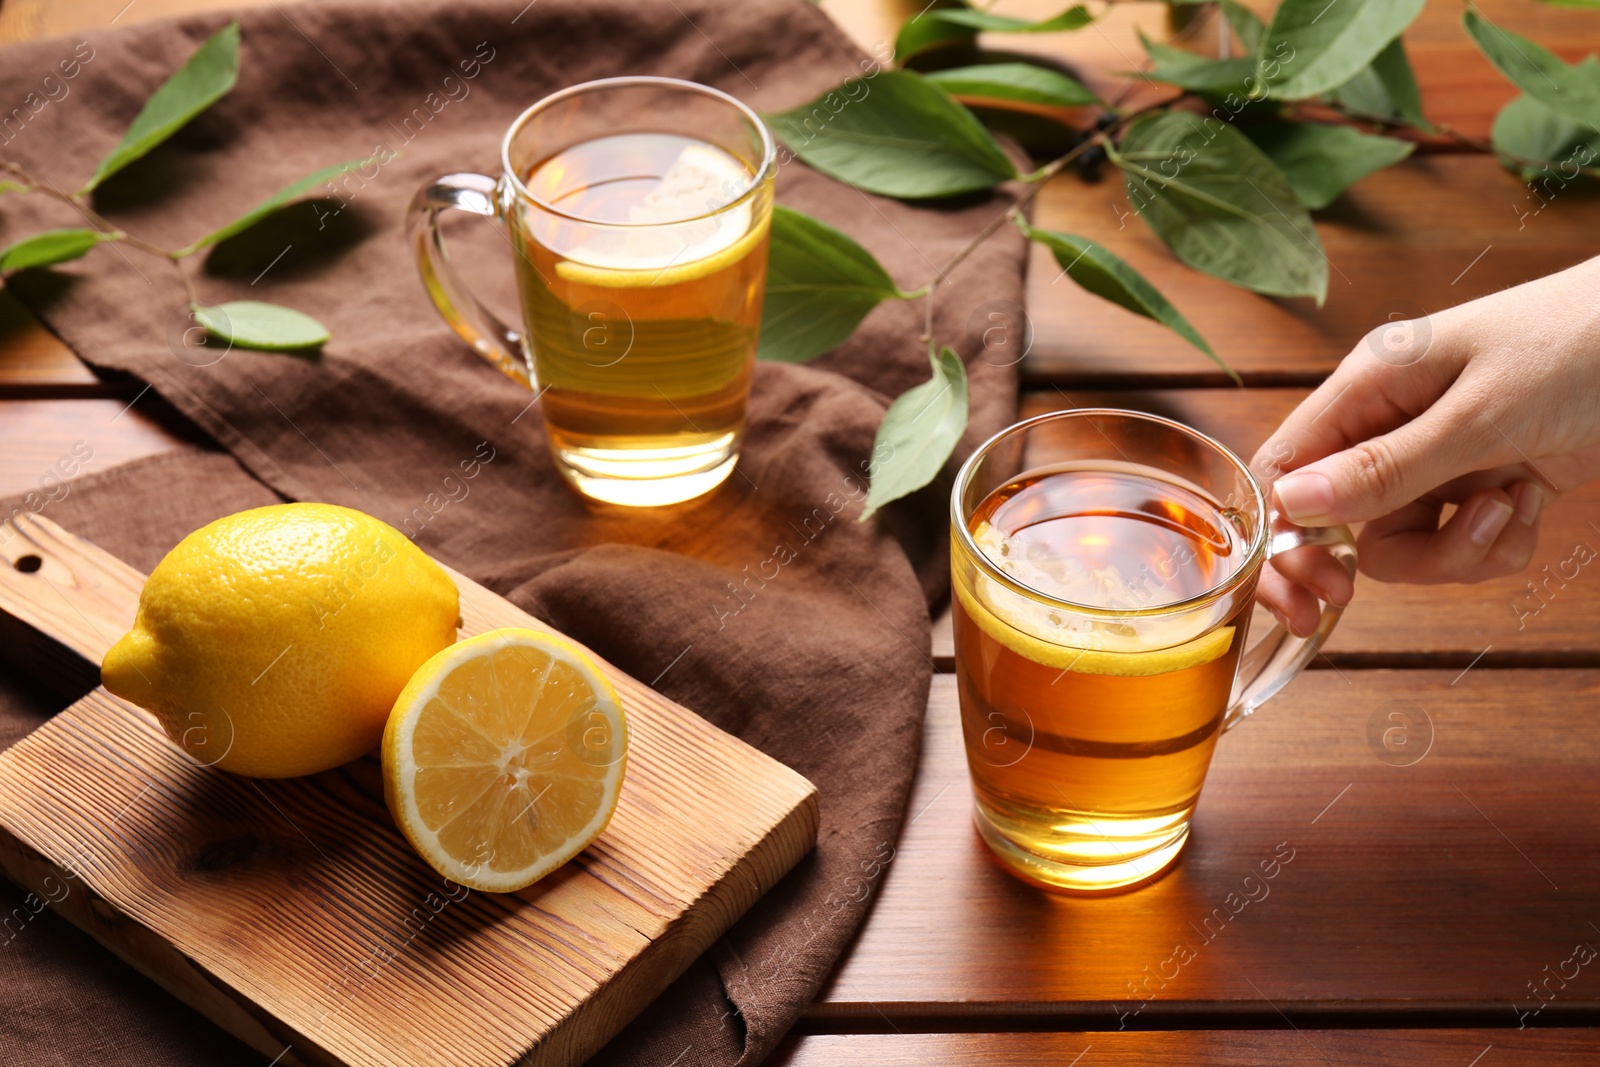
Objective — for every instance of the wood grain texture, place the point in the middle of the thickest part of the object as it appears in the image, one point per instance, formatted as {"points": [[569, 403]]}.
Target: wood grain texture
{"points": [[34, 362], [293, 913], [1429, 894], [1428, 234], [46, 444], [1201, 1048], [23, 20], [1555, 622], [61, 608]]}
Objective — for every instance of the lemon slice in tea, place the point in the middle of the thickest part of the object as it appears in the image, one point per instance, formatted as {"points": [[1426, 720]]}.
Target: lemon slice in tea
{"points": [[676, 233], [656, 277], [1014, 632], [1136, 648], [503, 758]]}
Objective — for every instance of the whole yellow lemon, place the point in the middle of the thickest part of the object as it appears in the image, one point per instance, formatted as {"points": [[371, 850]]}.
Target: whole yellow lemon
{"points": [[273, 643]]}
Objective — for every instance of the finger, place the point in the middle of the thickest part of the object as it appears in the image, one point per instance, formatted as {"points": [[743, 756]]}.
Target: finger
{"points": [[1377, 477], [1506, 477], [1316, 570], [1513, 549], [1408, 545], [1394, 374], [1386, 546], [1294, 607]]}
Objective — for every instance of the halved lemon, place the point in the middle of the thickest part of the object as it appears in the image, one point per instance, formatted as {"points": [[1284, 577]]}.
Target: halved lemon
{"points": [[1011, 633], [503, 758]]}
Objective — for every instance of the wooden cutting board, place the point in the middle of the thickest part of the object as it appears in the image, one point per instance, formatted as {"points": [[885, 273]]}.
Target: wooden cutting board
{"points": [[293, 914]]}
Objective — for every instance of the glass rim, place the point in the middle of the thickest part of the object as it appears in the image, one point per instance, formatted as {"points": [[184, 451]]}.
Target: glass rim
{"points": [[769, 152], [1253, 558]]}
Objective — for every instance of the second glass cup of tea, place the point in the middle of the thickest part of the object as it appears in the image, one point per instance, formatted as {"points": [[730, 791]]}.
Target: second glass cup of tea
{"points": [[639, 210], [1104, 568]]}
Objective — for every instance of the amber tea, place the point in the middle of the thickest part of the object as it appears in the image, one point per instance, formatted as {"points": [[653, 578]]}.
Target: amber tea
{"points": [[1104, 565], [1089, 741], [639, 211], [643, 302]]}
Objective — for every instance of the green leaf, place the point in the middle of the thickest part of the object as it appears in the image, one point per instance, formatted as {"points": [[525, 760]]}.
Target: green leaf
{"points": [[287, 195], [1525, 129], [905, 138], [13, 187], [1312, 46], [1220, 204], [253, 324], [927, 31], [1386, 88], [1572, 91], [959, 23], [1197, 73], [1073, 18], [199, 83], [1246, 24], [918, 433], [1104, 274], [1022, 82], [51, 247], [820, 285], [1320, 161]]}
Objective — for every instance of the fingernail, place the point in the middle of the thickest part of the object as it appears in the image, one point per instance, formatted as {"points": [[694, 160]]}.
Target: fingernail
{"points": [[1490, 519], [1325, 595], [1306, 496], [1530, 501]]}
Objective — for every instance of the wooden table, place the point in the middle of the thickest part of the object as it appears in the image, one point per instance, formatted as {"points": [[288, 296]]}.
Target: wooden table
{"points": [[1423, 903]]}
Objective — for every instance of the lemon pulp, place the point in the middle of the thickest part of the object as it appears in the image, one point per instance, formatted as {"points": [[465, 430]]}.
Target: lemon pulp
{"points": [[504, 757]]}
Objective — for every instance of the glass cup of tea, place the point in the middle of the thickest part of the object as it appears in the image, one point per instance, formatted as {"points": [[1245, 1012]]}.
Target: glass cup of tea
{"points": [[638, 209], [1104, 568]]}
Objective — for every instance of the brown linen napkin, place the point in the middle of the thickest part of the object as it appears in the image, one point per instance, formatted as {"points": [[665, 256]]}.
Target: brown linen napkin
{"points": [[820, 660]]}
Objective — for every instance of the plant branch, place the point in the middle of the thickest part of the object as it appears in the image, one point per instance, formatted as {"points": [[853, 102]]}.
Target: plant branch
{"points": [[1036, 182], [1449, 132], [98, 221]]}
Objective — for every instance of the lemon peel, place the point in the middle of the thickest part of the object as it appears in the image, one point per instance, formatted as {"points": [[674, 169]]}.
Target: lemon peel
{"points": [[1088, 660], [272, 643]]}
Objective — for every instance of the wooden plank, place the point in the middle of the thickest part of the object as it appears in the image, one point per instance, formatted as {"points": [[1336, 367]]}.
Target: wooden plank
{"points": [[1459, 86], [33, 362], [1430, 233], [23, 20], [292, 912], [61, 637], [1556, 621], [46, 444], [1400, 243], [1200, 1048], [1445, 890]]}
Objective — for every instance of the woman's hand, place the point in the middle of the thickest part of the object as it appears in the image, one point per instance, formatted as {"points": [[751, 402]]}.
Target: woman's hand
{"points": [[1493, 406]]}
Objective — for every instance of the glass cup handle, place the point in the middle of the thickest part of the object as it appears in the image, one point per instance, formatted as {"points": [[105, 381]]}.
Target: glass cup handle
{"points": [[1272, 662], [492, 339]]}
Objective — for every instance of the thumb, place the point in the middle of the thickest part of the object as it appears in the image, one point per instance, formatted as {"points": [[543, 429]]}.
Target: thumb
{"points": [[1382, 474]]}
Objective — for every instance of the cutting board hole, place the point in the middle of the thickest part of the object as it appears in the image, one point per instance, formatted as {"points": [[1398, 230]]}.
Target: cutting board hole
{"points": [[28, 564]]}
